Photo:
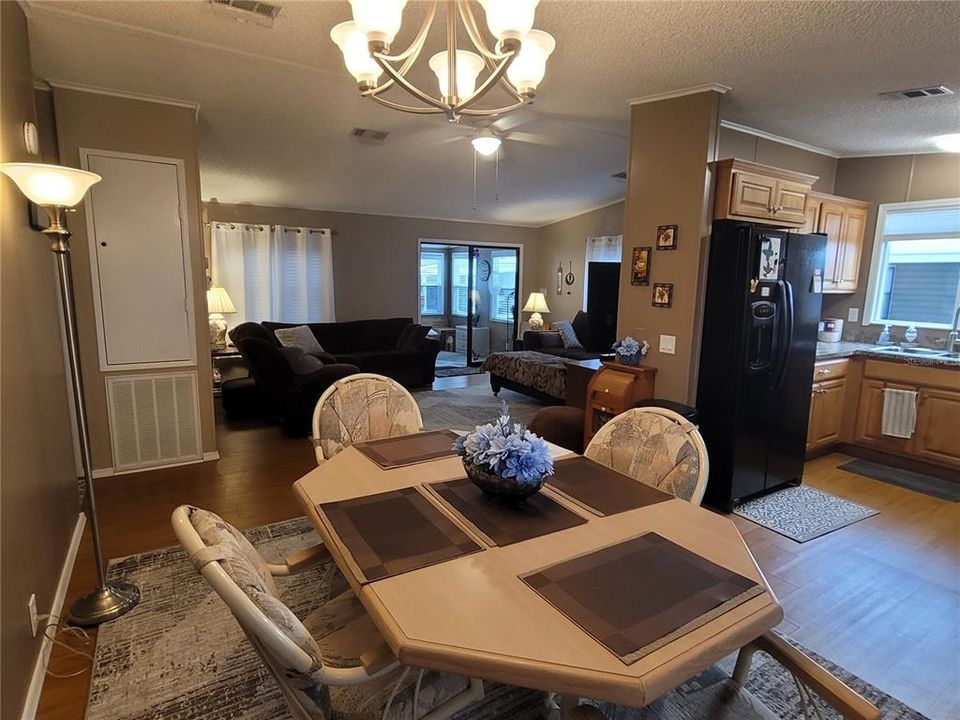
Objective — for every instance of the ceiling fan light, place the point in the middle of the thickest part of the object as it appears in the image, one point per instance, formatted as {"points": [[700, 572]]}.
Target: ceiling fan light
{"points": [[486, 144], [469, 65], [530, 65], [48, 185], [356, 56], [509, 19], [948, 143], [378, 20]]}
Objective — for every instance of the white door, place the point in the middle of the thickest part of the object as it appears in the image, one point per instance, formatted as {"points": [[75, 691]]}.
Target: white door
{"points": [[141, 266]]}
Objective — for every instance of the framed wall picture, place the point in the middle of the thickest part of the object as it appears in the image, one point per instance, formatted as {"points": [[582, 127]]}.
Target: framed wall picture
{"points": [[667, 237], [662, 294], [640, 269]]}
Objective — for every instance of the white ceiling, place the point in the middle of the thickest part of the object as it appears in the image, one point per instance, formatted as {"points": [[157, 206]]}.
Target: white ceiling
{"points": [[277, 106]]}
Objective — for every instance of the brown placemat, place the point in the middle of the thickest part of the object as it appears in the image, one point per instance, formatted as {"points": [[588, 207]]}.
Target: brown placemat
{"points": [[394, 532], [409, 449], [504, 525], [636, 596], [600, 489]]}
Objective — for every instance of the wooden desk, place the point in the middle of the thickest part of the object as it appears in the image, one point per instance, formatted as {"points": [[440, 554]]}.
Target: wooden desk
{"points": [[475, 617]]}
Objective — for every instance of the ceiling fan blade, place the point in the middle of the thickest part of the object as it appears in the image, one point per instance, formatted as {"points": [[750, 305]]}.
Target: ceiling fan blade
{"points": [[531, 138]]}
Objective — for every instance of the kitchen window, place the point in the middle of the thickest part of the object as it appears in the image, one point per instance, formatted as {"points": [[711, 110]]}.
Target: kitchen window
{"points": [[431, 282], [503, 285], [915, 272]]}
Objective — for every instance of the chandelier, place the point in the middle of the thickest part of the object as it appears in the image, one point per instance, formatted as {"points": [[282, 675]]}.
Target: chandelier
{"points": [[517, 62]]}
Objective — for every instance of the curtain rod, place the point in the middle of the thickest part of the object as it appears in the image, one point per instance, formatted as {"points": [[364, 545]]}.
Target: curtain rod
{"points": [[248, 226]]}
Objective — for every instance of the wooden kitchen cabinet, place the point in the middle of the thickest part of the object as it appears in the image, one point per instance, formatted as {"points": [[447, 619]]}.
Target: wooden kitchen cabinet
{"points": [[825, 426], [937, 437], [868, 431], [753, 192], [844, 222]]}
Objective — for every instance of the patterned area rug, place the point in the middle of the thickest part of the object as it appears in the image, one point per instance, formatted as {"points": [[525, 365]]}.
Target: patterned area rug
{"points": [[803, 513], [442, 372], [464, 408], [180, 654]]}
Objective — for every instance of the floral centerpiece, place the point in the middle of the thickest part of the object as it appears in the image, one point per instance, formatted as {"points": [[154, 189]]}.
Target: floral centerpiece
{"points": [[504, 459], [630, 350]]}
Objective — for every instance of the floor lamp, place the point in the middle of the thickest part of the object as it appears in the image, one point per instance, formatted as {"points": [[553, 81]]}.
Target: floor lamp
{"points": [[56, 188]]}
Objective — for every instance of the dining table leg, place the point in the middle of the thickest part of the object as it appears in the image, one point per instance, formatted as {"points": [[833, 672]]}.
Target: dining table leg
{"points": [[571, 709]]}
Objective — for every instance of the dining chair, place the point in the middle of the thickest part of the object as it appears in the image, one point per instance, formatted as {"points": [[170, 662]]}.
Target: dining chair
{"points": [[362, 407], [334, 664], [656, 446]]}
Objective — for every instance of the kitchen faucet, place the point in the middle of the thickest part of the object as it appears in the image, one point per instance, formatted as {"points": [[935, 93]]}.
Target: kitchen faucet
{"points": [[953, 337]]}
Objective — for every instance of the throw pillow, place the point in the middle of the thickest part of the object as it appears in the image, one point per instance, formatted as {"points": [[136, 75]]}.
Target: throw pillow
{"points": [[412, 337], [567, 334], [301, 337], [551, 340], [300, 362]]}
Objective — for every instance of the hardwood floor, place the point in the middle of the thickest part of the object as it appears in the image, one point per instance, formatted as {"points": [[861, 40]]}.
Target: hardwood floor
{"points": [[880, 597]]}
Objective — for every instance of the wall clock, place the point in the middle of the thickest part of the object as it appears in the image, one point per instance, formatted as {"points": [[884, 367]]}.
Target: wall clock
{"points": [[483, 268]]}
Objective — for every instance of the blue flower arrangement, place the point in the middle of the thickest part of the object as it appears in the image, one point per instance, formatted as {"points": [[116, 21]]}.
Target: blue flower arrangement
{"points": [[504, 458], [629, 350]]}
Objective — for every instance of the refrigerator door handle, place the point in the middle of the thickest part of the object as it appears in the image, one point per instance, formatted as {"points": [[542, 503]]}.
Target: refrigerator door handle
{"points": [[786, 327]]}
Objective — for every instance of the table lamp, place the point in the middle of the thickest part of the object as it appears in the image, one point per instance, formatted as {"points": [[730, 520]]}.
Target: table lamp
{"points": [[56, 188], [218, 304], [536, 304]]}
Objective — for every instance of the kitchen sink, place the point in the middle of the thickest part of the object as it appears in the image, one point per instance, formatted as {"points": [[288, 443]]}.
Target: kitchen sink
{"points": [[921, 352]]}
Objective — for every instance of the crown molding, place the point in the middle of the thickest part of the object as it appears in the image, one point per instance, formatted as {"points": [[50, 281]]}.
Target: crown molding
{"points": [[909, 153], [779, 139], [81, 87], [657, 97]]}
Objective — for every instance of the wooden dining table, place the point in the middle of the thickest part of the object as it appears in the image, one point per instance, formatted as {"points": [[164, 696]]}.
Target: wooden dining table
{"points": [[474, 616]]}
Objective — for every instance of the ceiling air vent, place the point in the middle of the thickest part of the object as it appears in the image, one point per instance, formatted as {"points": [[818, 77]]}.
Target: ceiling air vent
{"points": [[371, 137], [621, 176], [915, 93], [259, 13]]}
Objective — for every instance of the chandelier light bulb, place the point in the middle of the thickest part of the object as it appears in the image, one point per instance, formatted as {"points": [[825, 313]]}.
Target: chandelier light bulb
{"points": [[528, 68], [469, 66], [378, 20], [509, 19], [50, 185], [356, 56], [486, 145], [948, 143]]}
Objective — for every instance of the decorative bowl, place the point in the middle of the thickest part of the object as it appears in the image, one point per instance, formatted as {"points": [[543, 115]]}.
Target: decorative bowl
{"points": [[507, 491], [632, 359]]}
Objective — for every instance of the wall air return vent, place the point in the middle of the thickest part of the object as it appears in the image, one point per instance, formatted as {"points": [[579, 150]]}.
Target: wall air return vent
{"points": [[154, 420], [917, 93], [259, 13], [368, 136]]}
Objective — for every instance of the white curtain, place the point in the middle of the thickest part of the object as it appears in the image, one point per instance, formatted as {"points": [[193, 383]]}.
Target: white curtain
{"points": [[274, 272], [600, 248]]}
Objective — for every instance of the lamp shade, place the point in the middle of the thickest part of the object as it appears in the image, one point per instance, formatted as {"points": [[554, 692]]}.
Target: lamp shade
{"points": [[378, 19], [356, 55], [50, 184], [469, 65], [528, 68], [536, 303], [509, 19], [218, 301]]}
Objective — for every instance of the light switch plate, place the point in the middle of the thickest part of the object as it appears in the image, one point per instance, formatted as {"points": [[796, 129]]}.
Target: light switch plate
{"points": [[668, 344], [853, 314]]}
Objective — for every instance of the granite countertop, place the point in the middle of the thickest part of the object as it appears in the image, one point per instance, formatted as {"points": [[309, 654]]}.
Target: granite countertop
{"points": [[836, 351]]}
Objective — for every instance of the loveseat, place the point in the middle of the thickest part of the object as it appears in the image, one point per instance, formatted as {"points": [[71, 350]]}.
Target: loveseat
{"points": [[551, 343]]}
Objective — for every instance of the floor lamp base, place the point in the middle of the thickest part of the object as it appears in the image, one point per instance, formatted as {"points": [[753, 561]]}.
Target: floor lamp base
{"points": [[104, 604]]}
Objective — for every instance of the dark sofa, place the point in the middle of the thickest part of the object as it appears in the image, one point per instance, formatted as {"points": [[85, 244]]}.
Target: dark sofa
{"points": [[550, 343], [372, 345]]}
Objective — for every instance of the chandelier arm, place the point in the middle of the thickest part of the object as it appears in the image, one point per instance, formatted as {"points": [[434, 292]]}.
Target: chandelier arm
{"points": [[406, 85], [494, 111], [473, 31], [508, 86], [416, 45], [491, 80], [407, 108], [408, 63]]}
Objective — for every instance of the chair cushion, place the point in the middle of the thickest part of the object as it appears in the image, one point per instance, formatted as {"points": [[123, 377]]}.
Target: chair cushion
{"points": [[299, 336], [244, 564], [568, 334]]}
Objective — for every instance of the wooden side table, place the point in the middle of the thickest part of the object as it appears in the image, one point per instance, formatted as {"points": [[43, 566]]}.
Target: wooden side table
{"points": [[613, 389]]}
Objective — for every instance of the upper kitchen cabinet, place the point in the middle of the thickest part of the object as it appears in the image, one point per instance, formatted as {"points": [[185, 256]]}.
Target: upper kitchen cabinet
{"points": [[760, 193], [844, 222]]}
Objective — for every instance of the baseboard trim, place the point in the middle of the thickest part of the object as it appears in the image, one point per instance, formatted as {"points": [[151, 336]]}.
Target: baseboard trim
{"points": [[56, 607], [110, 472]]}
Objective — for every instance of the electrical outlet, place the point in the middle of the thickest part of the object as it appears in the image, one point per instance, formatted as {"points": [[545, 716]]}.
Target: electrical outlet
{"points": [[668, 344], [34, 617], [853, 314]]}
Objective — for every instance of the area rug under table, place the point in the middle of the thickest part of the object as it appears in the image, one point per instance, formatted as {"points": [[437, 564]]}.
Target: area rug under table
{"points": [[180, 654], [803, 513]]}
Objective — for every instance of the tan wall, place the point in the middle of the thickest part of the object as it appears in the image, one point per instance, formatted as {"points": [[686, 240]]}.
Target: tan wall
{"points": [[669, 182], [375, 257], [38, 491], [736, 144], [565, 242], [102, 122], [897, 178]]}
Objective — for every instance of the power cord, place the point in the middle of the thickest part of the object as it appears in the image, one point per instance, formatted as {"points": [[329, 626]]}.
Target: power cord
{"points": [[53, 624]]}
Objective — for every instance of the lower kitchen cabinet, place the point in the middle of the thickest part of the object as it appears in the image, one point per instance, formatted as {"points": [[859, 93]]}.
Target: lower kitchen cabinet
{"points": [[868, 431], [937, 437], [826, 414]]}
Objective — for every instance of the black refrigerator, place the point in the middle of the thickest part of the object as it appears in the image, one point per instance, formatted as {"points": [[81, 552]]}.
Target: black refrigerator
{"points": [[763, 294]]}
